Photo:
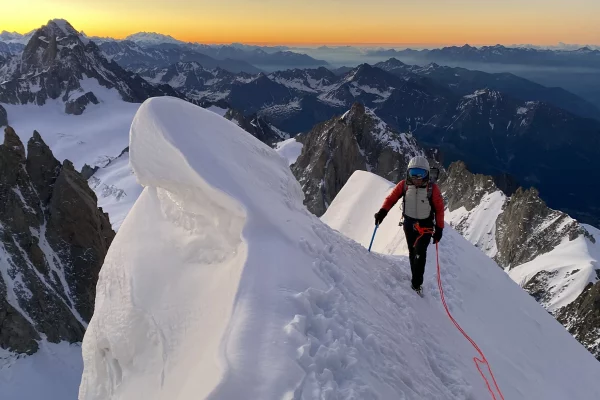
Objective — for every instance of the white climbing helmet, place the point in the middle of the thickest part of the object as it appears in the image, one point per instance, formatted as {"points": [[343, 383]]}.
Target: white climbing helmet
{"points": [[419, 162]]}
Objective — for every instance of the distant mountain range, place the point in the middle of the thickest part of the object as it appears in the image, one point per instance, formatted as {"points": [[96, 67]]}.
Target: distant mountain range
{"points": [[582, 57], [131, 55], [155, 51], [498, 123], [494, 131], [16, 38], [463, 81]]}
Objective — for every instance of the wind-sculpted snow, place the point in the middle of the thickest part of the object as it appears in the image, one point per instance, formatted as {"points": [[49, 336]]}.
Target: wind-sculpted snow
{"points": [[221, 285]]}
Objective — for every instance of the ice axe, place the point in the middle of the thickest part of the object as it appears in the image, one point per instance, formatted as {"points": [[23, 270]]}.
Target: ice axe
{"points": [[375, 231]]}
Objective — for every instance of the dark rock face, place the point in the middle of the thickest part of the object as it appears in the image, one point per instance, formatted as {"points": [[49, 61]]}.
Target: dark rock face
{"points": [[518, 234], [463, 188], [77, 106], [3, 116], [333, 150], [53, 243], [582, 318], [526, 226], [538, 286], [81, 234], [87, 171], [41, 166], [256, 126]]}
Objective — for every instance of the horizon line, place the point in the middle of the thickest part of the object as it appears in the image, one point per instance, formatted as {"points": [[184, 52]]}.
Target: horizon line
{"points": [[339, 44]]}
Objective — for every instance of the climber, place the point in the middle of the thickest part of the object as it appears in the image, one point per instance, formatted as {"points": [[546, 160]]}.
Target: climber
{"points": [[423, 205]]}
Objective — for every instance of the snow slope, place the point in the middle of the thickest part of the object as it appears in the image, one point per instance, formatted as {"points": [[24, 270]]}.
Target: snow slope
{"points": [[221, 285], [116, 189], [571, 266], [478, 226], [95, 137], [52, 373], [289, 149]]}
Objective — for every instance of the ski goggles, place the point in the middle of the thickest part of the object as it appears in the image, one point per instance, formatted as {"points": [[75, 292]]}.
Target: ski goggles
{"points": [[417, 173]]}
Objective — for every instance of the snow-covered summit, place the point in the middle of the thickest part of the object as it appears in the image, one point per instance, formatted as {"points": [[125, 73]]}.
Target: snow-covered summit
{"points": [[220, 284], [152, 38], [64, 26]]}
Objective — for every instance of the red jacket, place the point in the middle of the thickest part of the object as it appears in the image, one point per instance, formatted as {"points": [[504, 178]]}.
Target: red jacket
{"points": [[436, 200]]}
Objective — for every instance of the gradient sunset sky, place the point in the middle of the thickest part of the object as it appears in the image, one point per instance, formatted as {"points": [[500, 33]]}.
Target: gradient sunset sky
{"points": [[435, 22]]}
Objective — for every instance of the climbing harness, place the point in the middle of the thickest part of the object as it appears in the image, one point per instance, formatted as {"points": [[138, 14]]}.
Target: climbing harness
{"points": [[422, 231]]}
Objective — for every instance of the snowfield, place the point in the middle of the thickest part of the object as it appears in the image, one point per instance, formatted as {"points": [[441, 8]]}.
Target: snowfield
{"points": [[479, 225], [221, 285], [571, 266], [94, 137], [52, 373], [116, 189]]}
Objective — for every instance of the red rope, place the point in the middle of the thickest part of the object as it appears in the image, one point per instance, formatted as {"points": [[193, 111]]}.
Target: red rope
{"points": [[477, 361]]}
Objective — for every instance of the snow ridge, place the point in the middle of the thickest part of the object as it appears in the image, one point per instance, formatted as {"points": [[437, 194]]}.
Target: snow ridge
{"points": [[194, 285]]}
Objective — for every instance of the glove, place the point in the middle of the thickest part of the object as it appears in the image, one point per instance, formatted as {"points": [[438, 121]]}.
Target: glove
{"points": [[380, 215], [437, 235]]}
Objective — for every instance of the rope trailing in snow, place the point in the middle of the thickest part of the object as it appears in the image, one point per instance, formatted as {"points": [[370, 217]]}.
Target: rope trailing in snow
{"points": [[477, 361]]}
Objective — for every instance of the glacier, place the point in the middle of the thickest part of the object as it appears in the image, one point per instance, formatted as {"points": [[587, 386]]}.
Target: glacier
{"points": [[221, 285]]}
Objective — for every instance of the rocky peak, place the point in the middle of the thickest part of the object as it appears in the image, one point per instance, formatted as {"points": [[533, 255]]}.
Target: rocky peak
{"points": [[53, 240], [43, 47], [333, 150], [463, 188], [395, 62], [257, 126], [13, 144], [55, 62], [527, 228], [41, 166]]}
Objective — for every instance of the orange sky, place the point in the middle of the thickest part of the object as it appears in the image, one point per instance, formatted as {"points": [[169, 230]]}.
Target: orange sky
{"points": [[322, 21]]}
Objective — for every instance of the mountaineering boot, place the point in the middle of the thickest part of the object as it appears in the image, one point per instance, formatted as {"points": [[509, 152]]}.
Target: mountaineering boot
{"points": [[419, 289]]}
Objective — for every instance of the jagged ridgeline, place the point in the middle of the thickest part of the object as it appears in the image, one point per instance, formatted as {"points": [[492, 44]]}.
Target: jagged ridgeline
{"points": [[334, 149], [53, 243], [551, 255]]}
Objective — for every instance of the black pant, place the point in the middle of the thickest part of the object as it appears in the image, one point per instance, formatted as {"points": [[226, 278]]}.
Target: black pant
{"points": [[417, 253]]}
